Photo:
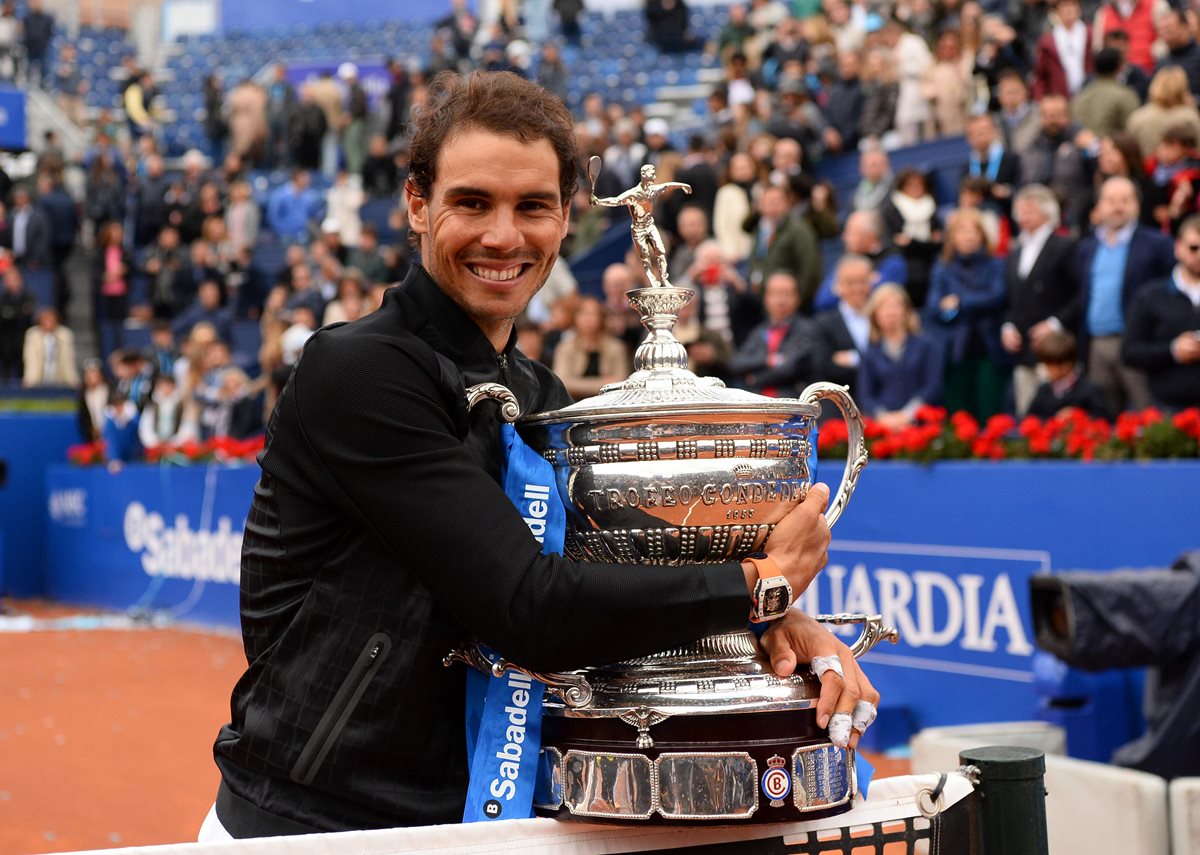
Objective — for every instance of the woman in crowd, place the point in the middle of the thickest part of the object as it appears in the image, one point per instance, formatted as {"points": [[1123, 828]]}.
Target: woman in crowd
{"points": [[93, 398], [966, 302], [910, 213], [588, 357], [1120, 154], [1170, 104], [112, 268], [733, 205], [948, 85], [901, 369]]}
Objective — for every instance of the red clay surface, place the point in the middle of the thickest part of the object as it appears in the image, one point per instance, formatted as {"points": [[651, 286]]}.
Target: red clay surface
{"points": [[106, 735]]}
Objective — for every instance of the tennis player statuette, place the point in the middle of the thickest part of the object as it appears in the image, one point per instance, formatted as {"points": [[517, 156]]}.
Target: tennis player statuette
{"points": [[670, 468]]}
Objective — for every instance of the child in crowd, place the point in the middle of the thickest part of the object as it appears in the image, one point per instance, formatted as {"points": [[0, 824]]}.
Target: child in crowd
{"points": [[1065, 387]]}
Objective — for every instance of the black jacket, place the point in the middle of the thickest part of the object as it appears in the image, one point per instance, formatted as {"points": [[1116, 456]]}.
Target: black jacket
{"points": [[377, 541], [1159, 313], [1051, 285], [749, 367], [834, 337]]}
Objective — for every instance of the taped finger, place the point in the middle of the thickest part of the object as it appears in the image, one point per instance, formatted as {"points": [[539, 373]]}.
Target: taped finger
{"points": [[864, 715], [821, 664], [839, 729]]}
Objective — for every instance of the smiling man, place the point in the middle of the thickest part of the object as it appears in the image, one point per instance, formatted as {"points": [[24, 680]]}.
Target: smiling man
{"points": [[379, 537]]}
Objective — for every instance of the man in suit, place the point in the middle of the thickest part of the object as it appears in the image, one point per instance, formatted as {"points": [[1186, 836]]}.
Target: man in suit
{"points": [[1113, 264], [863, 234], [1041, 282], [725, 305], [845, 331], [27, 234], [1163, 334], [989, 159], [1056, 160], [49, 352], [778, 358], [783, 242]]}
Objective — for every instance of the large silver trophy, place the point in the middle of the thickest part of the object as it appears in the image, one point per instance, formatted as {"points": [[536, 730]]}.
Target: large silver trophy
{"points": [[670, 468]]}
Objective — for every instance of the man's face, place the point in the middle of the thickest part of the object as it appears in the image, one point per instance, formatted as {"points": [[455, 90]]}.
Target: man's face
{"points": [[1011, 93], [693, 226], [1168, 153], [492, 224], [1056, 115], [1118, 204], [874, 166], [774, 204], [858, 237], [853, 283], [1172, 31], [779, 297], [1187, 251], [1029, 215], [980, 134]]}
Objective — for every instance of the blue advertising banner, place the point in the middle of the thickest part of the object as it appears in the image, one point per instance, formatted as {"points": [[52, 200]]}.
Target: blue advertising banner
{"points": [[372, 73], [945, 554], [149, 537], [29, 442], [13, 136]]}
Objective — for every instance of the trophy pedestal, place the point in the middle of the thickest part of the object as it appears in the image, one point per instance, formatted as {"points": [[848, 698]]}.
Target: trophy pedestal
{"points": [[705, 733]]}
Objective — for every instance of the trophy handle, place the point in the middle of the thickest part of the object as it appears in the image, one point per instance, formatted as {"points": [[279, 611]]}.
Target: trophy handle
{"points": [[573, 689], [856, 459], [873, 630], [509, 407]]}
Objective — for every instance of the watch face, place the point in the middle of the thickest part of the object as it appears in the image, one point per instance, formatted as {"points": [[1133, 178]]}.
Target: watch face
{"points": [[775, 601]]}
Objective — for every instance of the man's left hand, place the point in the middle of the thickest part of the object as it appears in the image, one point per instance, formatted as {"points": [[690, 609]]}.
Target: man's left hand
{"points": [[796, 638]]}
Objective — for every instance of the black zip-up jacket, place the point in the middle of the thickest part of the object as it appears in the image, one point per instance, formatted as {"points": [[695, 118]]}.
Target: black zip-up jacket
{"points": [[379, 539]]}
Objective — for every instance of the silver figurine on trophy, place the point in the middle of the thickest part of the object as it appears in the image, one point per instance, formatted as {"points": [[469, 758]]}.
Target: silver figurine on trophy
{"points": [[670, 468]]}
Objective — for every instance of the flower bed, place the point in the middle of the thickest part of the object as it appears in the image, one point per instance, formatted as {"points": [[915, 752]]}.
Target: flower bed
{"points": [[219, 450], [1072, 435]]}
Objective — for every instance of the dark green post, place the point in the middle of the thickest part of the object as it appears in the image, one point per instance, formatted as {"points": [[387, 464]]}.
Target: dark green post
{"points": [[1012, 794]]}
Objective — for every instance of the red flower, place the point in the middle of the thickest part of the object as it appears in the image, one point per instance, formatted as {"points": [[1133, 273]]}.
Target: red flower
{"points": [[1030, 425], [927, 413], [965, 426], [998, 426], [873, 429], [1039, 443]]}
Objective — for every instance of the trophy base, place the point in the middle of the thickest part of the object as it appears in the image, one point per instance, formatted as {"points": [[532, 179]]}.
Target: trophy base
{"points": [[770, 766]]}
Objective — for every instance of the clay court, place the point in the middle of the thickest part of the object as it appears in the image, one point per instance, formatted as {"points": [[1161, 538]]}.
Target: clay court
{"points": [[106, 733]]}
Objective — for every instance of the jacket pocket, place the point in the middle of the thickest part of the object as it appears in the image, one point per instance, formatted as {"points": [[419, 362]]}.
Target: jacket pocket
{"points": [[330, 727]]}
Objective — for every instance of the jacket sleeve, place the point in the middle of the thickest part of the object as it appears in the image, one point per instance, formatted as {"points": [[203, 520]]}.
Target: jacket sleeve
{"points": [[383, 440], [1139, 347], [991, 295]]}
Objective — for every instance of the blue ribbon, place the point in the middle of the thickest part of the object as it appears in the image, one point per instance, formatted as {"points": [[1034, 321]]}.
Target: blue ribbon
{"points": [[504, 714]]}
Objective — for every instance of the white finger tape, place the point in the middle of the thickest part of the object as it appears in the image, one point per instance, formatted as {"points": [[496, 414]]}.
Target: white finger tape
{"points": [[864, 714], [821, 664], [839, 729]]}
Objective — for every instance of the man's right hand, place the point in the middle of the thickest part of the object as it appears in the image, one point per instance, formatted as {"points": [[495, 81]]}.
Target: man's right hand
{"points": [[799, 544], [1011, 338]]}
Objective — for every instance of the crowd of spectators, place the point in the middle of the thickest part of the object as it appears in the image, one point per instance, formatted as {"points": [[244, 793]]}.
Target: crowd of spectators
{"points": [[1065, 272]]}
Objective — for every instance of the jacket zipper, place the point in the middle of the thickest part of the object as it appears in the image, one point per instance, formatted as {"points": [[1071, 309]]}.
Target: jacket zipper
{"points": [[335, 717], [502, 359]]}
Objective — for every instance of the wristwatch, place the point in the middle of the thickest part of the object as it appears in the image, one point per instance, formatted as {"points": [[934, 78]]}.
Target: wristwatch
{"points": [[772, 593]]}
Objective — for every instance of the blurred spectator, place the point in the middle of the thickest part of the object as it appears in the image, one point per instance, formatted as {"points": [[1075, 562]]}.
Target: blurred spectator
{"points": [[1063, 58], [10, 38], [692, 227], [1182, 51], [621, 319], [552, 72], [901, 370], [1064, 388], [112, 267], [205, 308], [281, 101], [845, 329], [165, 266], [778, 357], [62, 219], [1120, 155], [93, 398], [783, 242], [327, 95], [17, 307], [1041, 282], [947, 86], [49, 352], [397, 99], [588, 357], [161, 417], [733, 207], [1162, 336], [1001, 51], [863, 236], [120, 430], [911, 215], [695, 170], [343, 201], [966, 303], [1113, 263], [152, 211], [380, 175], [235, 411], [69, 84], [844, 105], [1058, 159], [348, 304], [880, 95], [568, 17], [667, 26], [303, 323], [162, 353], [877, 180], [989, 159], [1170, 104], [1136, 20], [216, 117], [26, 232], [292, 206], [354, 137], [1131, 75], [724, 304], [1173, 173], [139, 102], [306, 130], [133, 375], [1104, 104], [366, 256], [246, 113], [242, 217], [1019, 118], [38, 32], [911, 59]]}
